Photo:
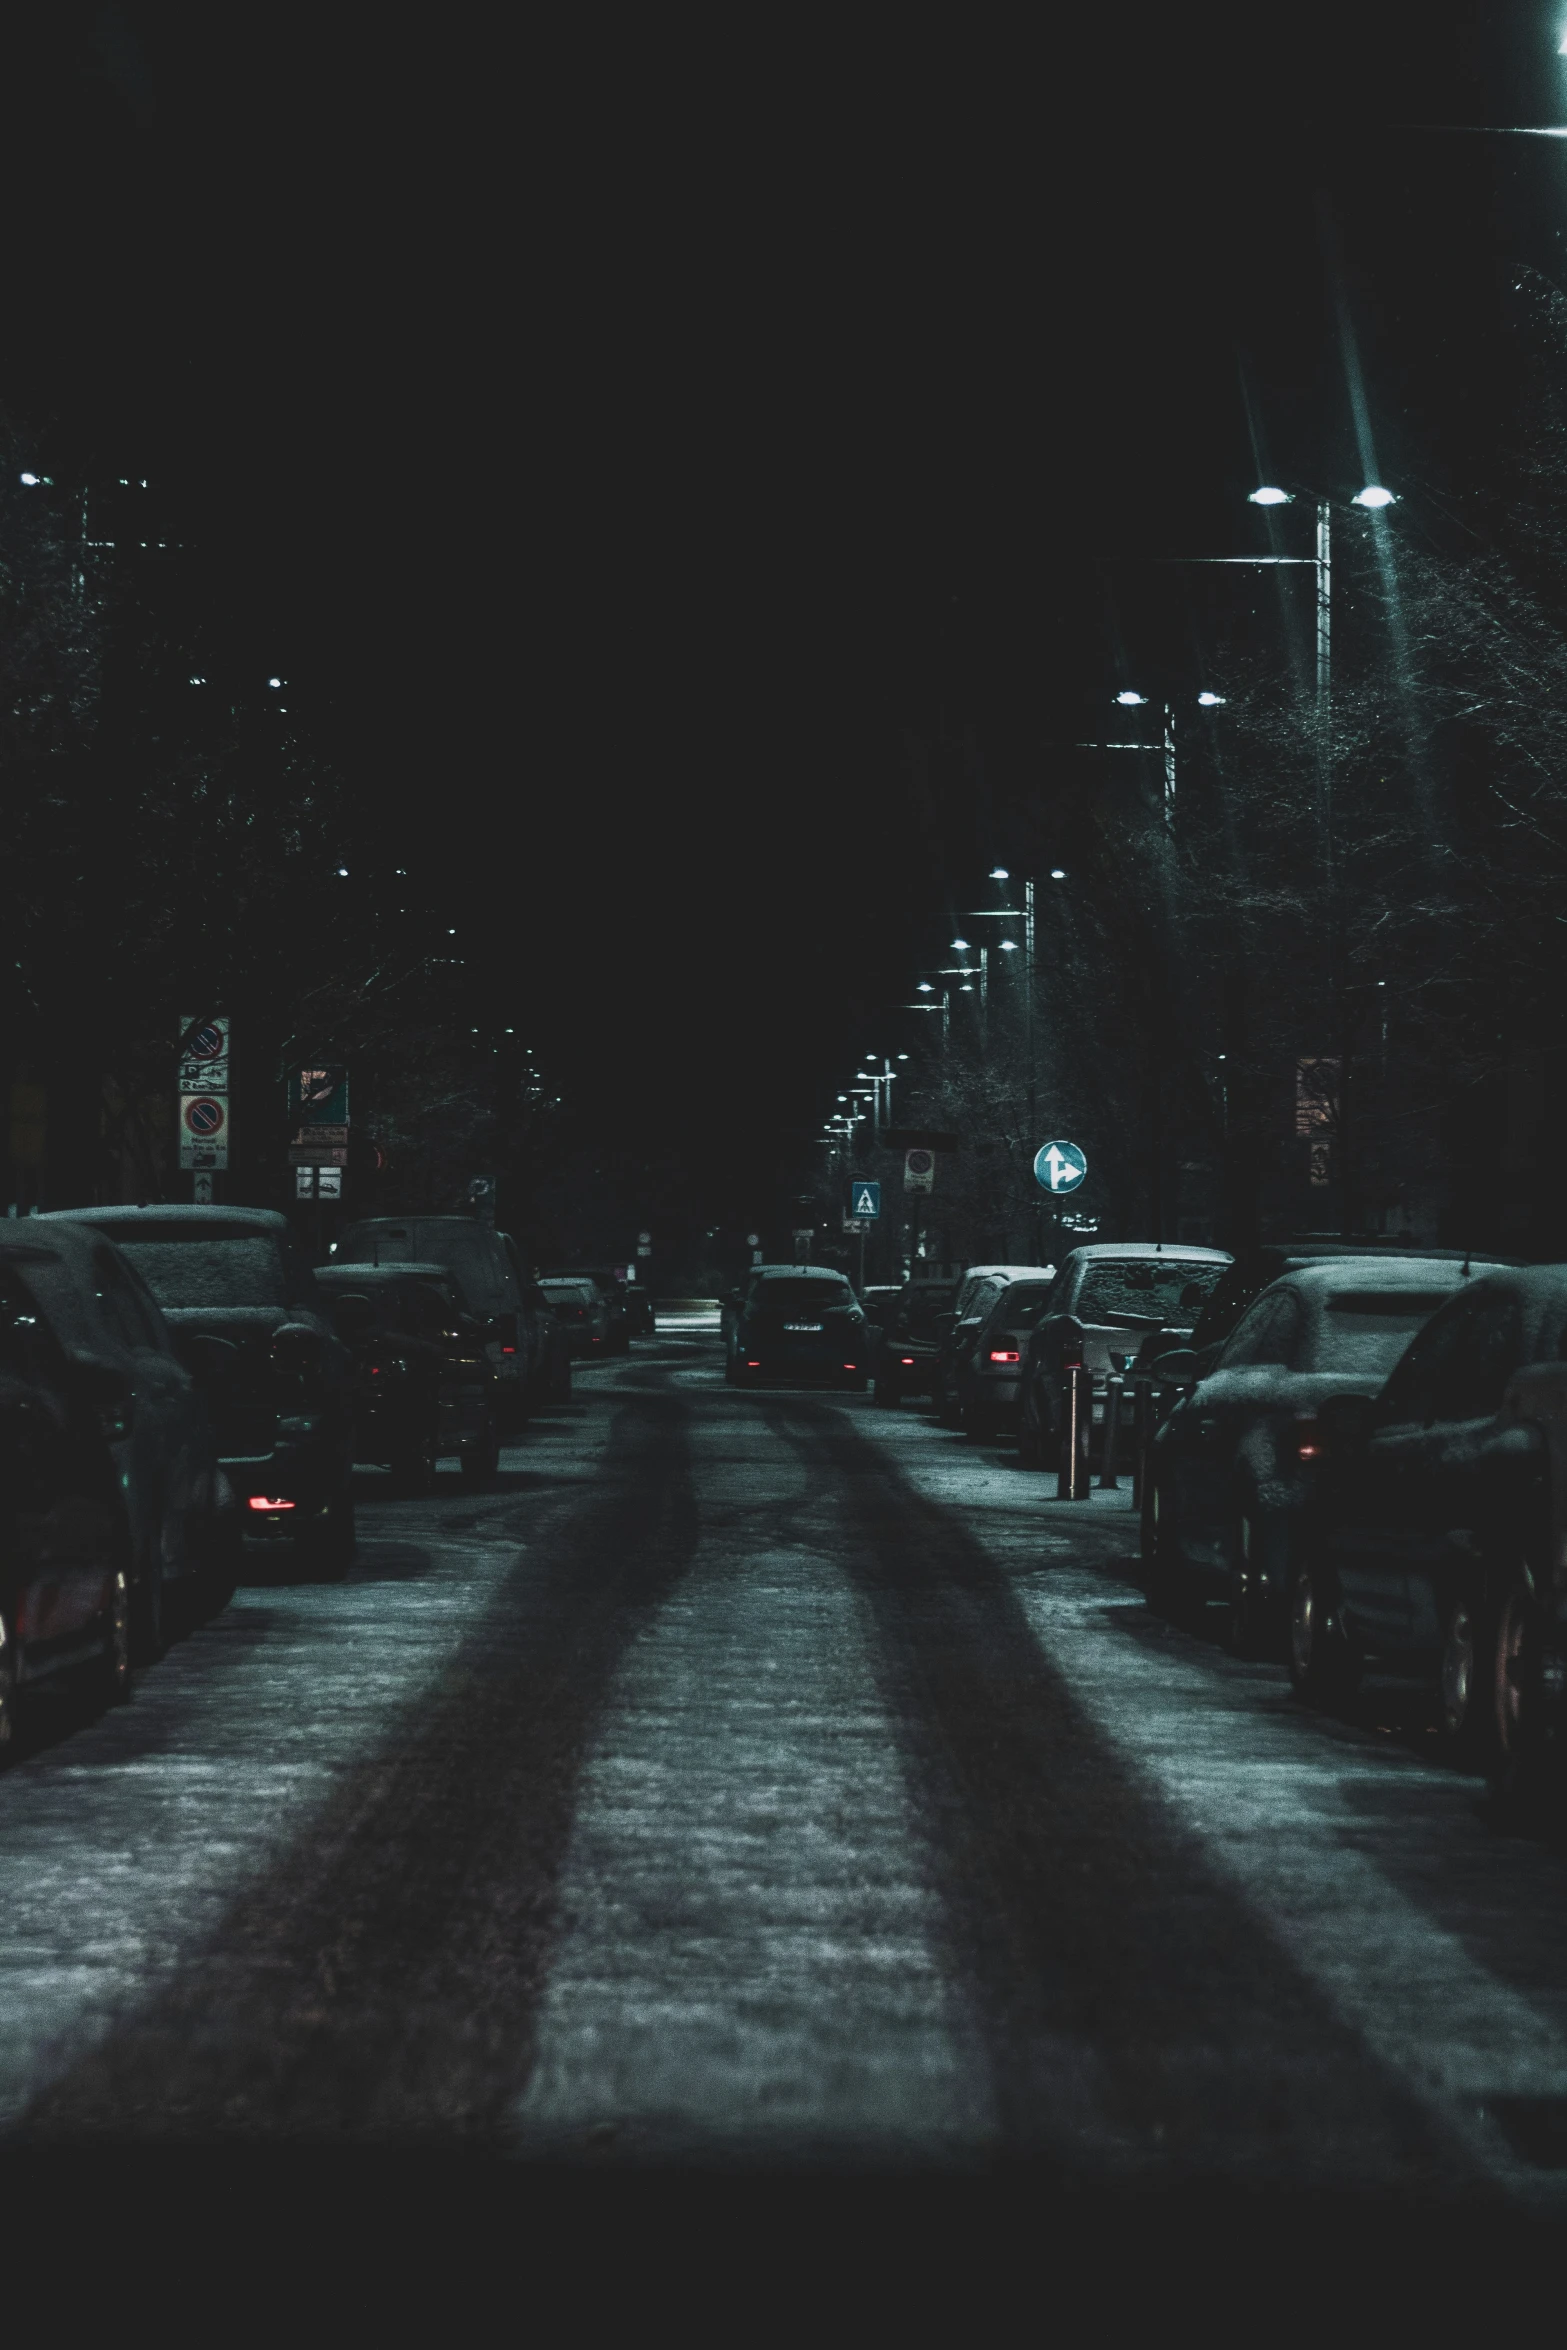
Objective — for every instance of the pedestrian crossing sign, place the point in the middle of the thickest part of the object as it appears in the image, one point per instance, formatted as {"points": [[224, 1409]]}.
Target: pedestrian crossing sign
{"points": [[864, 1198]]}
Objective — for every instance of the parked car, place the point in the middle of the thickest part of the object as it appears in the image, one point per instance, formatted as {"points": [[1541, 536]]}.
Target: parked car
{"points": [[987, 1372], [1436, 1540], [65, 1539], [639, 1310], [424, 1390], [978, 1291], [904, 1346], [181, 1510], [1108, 1296], [1237, 1286], [732, 1303], [802, 1323], [492, 1284], [613, 1293], [582, 1311], [245, 1312], [1231, 1469], [554, 1348]]}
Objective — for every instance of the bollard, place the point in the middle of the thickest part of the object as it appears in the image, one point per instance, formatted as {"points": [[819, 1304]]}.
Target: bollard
{"points": [[1077, 1419], [1114, 1384]]}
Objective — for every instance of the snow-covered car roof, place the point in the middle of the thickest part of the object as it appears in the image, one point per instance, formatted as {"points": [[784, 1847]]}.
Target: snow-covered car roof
{"points": [[1182, 1252], [386, 1276], [1011, 1272], [802, 1272], [220, 1220], [1335, 1273]]}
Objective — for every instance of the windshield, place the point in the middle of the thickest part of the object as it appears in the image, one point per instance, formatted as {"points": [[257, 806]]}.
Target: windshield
{"points": [[1146, 1289], [1363, 1332], [245, 1270], [922, 1305], [798, 1297], [1023, 1299]]}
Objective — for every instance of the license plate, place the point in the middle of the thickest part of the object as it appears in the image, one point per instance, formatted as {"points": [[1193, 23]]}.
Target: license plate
{"points": [[814, 1328]]}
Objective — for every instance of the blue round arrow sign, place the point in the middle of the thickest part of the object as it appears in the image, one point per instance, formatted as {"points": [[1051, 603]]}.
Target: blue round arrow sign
{"points": [[1059, 1166]]}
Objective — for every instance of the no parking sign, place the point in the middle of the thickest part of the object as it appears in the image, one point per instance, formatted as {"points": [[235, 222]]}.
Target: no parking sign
{"points": [[204, 1130]]}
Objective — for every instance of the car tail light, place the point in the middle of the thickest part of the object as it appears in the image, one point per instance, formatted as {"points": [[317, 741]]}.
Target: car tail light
{"points": [[508, 1350], [262, 1501], [851, 1366], [1005, 1354], [1308, 1438], [751, 1366], [907, 1361]]}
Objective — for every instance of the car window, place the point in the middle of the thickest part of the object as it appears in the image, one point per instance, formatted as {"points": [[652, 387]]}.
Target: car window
{"points": [[1022, 1302], [216, 1269], [1364, 1331], [119, 1303], [61, 1299], [29, 1349], [918, 1308], [1458, 1366], [1143, 1290], [984, 1297], [1268, 1333], [788, 1296]]}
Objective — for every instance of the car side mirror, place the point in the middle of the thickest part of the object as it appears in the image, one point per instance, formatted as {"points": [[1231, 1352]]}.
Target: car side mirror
{"points": [[1346, 1421], [108, 1390]]}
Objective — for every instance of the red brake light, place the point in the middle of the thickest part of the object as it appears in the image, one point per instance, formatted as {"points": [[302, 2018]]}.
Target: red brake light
{"points": [[907, 1361], [261, 1501], [1308, 1439], [1005, 1354], [750, 1366], [508, 1350]]}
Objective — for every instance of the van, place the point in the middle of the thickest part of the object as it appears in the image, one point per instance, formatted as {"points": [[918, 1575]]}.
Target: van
{"points": [[492, 1282]]}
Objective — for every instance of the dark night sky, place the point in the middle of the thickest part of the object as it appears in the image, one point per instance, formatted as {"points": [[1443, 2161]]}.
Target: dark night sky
{"points": [[622, 434]]}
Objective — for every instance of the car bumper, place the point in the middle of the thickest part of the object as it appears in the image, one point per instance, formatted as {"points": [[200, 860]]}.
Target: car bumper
{"points": [[812, 1361], [302, 1478]]}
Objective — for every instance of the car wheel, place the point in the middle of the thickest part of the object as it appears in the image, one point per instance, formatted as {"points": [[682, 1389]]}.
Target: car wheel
{"points": [[978, 1425], [1250, 1624], [1526, 1761], [1168, 1586], [9, 1694], [147, 1605], [1323, 1667], [413, 1470], [480, 1461], [325, 1544], [222, 1555], [1462, 1676], [111, 1672], [887, 1391]]}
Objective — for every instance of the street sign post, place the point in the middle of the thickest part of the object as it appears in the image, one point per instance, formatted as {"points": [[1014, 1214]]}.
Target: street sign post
{"points": [[1059, 1167], [202, 1084], [864, 1199]]}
